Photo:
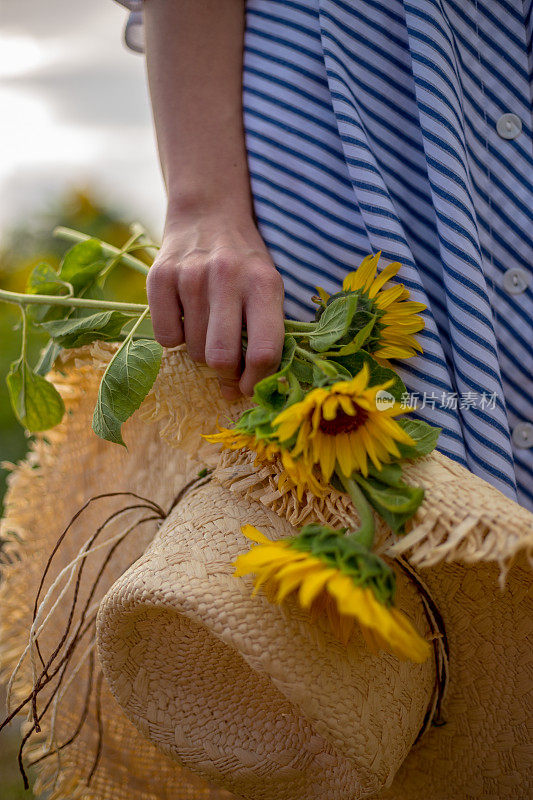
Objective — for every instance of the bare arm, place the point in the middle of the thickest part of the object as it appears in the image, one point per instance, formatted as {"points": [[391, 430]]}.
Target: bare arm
{"points": [[213, 267]]}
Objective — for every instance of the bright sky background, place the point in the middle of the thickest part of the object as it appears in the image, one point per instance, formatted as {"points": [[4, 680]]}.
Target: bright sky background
{"points": [[74, 110]]}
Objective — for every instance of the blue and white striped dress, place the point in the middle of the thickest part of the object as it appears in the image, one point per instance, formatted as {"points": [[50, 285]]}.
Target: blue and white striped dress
{"points": [[406, 126]]}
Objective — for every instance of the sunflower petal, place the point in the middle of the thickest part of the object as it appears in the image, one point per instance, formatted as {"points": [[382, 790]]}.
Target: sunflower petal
{"points": [[344, 453], [385, 275], [302, 568], [313, 584], [386, 298], [286, 586], [254, 535], [329, 407], [363, 275]]}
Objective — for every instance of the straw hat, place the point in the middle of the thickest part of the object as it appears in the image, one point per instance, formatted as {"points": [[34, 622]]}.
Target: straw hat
{"points": [[175, 682]]}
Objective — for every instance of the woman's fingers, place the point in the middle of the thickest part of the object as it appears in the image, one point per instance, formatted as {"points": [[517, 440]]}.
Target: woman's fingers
{"points": [[223, 344], [192, 287], [164, 304], [265, 328]]}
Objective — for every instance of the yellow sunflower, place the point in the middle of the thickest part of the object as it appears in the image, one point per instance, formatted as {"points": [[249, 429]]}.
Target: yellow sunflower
{"points": [[295, 474], [282, 569], [398, 316], [343, 423]]}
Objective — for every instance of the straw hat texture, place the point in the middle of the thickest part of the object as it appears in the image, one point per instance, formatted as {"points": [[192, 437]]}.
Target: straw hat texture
{"points": [[175, 683]]}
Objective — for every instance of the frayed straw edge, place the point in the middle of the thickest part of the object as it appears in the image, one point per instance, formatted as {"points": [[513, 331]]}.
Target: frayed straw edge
{"points": [[444, 529]]}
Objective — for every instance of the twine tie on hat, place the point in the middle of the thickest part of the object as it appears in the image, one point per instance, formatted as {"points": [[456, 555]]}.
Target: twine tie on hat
{"points": [[441, 648]]}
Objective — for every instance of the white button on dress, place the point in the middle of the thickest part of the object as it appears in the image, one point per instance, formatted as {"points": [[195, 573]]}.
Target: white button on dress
{"points": [[509, 126], [516, 280], [523, 435]]}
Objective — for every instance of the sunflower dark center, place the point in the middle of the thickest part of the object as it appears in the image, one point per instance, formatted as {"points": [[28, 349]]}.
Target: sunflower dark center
{"points": [[343, 422]]}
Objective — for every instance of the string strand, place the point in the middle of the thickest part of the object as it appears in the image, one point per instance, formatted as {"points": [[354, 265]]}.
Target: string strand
{"points": [[441, 649], [43, 679], [34, 632]]}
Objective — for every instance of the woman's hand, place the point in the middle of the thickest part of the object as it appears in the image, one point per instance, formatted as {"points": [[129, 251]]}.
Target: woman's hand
{"points": [[212, 277]]}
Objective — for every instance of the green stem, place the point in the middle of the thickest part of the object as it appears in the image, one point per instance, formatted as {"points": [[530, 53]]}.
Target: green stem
{"points": [[116, 259], [137, 228], [22, 358], [77, 302], [24, 334], [307, 355], [134, 328], [75, 236], [293, 326], [129, 337], [365, 532]]}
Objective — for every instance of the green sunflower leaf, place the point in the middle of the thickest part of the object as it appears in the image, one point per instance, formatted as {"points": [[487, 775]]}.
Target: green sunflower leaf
{"points": [[333, 323], [327, 372], [378, 374], [394, 502], [425, 437], [360, 339], [289, 349], [45, 280], [104, 325], [256, 421], [278, 390], [82, 264], [127, 380], [36, 402], [390, 474], [302, 370], [47, 358]]}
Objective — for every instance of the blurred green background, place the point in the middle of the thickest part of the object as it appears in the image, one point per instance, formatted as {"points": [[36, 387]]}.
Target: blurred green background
{"points": [[21, 249]]}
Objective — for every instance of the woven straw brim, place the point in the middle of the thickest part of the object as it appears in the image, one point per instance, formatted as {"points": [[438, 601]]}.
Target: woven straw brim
{"points": [[179, 604]]}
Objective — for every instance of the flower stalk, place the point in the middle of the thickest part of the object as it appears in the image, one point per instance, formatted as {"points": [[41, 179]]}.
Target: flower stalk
{"points": [[293, 326], [21, 299], [365, 533]]}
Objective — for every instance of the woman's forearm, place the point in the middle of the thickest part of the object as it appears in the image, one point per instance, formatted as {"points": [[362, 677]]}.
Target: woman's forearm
{"points": [[213, 275], [194, 52]]}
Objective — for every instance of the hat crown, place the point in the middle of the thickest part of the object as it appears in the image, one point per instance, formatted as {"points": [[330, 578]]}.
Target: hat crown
{"points": [[253, 696]]}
